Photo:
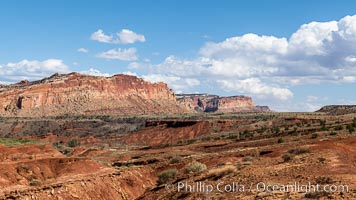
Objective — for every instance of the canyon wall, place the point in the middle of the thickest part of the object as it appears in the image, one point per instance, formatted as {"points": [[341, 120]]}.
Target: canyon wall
{"points": [[214, 103], [75, 93]]}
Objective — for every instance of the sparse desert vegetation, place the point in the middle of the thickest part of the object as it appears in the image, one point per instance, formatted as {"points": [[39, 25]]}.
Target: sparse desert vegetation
{"points": [[156, 150], [222, 171], [167, 175], [195, 167]]}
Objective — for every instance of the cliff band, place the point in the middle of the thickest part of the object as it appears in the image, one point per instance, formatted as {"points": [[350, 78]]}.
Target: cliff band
{"points": [[75, 93], [214, 103]]}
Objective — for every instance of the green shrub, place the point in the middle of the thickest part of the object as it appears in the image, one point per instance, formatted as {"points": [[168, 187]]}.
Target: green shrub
{"points": [[180, 142], [276, 130], [231, 137], [73, 143], [15, 142], [192, 141], [322, 122], [66, 151], [350, 128], [167, 176], [323, 125], [195, 167], [35, 182]]}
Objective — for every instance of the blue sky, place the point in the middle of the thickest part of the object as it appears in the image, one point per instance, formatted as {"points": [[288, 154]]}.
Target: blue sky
{"points": [[290, 55]]}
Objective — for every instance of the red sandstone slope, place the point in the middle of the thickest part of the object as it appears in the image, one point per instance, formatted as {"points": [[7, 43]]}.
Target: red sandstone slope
{"points": [[82, 94]]}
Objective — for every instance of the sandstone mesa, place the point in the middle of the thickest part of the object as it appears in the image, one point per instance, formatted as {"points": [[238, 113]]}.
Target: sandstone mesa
{"points": [[78, 94]]}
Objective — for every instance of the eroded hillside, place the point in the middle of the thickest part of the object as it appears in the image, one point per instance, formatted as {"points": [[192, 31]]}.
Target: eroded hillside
{"points": [[153, 156]]}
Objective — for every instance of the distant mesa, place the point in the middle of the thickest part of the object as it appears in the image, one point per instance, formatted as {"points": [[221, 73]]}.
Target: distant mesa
{"points": [[215, 103], [338, 109], [78, 94]]}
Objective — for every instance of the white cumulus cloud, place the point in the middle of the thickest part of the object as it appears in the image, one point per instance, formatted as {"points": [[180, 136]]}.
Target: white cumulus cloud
{"points": [[83, 50], [178, 84], [255, 87], [119, 54], [125, 36], [31, 69], [100, 36], [268, 67], [95, 72]]}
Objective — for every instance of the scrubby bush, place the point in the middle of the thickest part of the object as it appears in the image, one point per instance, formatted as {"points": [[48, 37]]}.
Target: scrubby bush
{"points": [[350, 128], [35, 182], [247, 134], [333, 133], [322, 122], [192, 141], [338, 128], [176, 159], [222, 171], [314, 136], [317, 195], [248, 159], [167, 176], [66, 151], [280, 140], [287, 157], [23, 167], [232, 137], [15, 142], [180, 142], [324, 180], [276, 130], [195, 167], [323, 125], [73, 143]]}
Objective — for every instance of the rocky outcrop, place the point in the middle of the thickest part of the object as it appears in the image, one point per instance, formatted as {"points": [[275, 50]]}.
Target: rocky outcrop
{"points": [[214, 103], [75, 93], [338, 109]]}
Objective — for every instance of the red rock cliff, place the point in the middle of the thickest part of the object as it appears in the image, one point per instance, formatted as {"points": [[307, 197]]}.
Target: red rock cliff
{"points": [[82, 94], [214, 103]]}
